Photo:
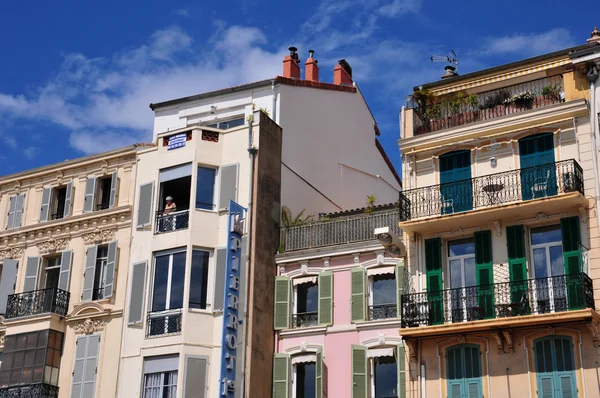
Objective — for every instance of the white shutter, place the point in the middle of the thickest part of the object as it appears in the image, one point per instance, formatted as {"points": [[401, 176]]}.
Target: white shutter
{"points": [[65, 270], [90, 193], [68, 200], [46, 196], [90, 270], [114, 190], [32, 270], [111, 265]]}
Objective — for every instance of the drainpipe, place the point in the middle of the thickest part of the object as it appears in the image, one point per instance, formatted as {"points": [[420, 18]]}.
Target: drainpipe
{"points": [[592, 76]]}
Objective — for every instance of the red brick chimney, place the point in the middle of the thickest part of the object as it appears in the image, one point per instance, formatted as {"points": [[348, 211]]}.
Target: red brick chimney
{"points": [[291, 67], [342, 73], [312, 69]]}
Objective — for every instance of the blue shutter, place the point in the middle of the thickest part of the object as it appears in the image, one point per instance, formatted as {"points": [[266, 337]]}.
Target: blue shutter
{"points": [[545, 385], [456, 187], [455, 389]]}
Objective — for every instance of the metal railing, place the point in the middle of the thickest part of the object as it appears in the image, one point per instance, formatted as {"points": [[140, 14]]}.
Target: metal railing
{"points": [[441, 113], [383, 311], [102, 206], [37, 302], [162, 323], [173, 221], [305, 319], [533, 296], [98, 294], [529, 183], [338, 231], [57, 216], [40, 390]]}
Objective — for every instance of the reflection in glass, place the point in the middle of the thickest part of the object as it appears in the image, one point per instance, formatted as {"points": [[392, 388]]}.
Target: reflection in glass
{"points": [[305, 380], [386, 376]]}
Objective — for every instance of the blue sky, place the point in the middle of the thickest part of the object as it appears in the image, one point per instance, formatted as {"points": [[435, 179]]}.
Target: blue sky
{"points": [[77, 79]]}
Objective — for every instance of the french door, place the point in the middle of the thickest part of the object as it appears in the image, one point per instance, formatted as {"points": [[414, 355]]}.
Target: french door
{"points": [[462, 271], [549, 293]]}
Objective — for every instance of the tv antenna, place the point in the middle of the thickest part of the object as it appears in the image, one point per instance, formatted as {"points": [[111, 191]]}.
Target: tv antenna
{"points": [[451, 58]]}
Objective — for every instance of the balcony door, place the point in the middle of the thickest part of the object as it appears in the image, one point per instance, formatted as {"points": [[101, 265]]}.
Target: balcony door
{"points": [[538, 174], [462, 270], [550, 293], [456, 189], [555, 367]]}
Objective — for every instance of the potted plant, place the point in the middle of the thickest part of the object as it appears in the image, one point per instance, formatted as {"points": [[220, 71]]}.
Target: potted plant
{"points": [[551, 93], [371, 199], [524, 99]]}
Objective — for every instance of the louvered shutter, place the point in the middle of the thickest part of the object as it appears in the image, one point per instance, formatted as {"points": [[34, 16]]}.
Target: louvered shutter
{"points": [[19, 211], [325, 298], [32, 270], [319, 383], [45, 204], [359, 372], [111, 266], [79, 367], [90, 270], [12, 205], [228, 185], [220, 268], [433, 268], [90, 194], [571, 259], [7, 282], [137, 292], [566, 384], [195, 377], [401, 365], [485, 272], [399, 288], [282, 303], [517, 263], [545, 384], [91, 364], [281, 375], [145, 203], [114, 190], [66, 259], [455, 389], [357, 287], [68, 200]]}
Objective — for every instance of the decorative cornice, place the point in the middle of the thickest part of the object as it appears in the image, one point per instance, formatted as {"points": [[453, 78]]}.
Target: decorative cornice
{"points": [[89, 326], [52, 245], [99, 235], [11, 252]]}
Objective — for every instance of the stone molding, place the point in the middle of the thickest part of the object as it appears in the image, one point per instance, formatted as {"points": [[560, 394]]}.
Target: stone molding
{"points": [[89, 326]]}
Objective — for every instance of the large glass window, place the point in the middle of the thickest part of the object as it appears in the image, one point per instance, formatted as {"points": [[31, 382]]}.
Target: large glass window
{"points": [[199, 279], [51, 272], [167, 294], [383, 296], [160, 376], [385, 377], [205, 184], [461, 266], [227, 124], [100, 272], [550, 292], [305, 380], [307, 305]]}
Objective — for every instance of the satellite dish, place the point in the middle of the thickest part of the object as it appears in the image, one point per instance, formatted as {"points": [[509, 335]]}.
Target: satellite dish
{"points": [[451, 58]]}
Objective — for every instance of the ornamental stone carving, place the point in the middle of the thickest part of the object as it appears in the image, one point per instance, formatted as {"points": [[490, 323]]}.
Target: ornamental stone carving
{"points": [[88, 326], [12, 252], [52, 245], [99, 236], [2, 340]]}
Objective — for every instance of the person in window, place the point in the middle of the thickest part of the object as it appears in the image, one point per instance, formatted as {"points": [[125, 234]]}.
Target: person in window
{"points": [[170, 206]]}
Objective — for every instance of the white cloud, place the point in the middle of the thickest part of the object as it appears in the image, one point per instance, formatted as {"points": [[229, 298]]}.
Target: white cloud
{"points": [[30, 152], [529, 44], [182, 12], [398, 7]]}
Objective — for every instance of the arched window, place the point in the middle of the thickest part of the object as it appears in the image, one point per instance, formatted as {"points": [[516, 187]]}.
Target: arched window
{"points": [[555, 367], [463, 371]]}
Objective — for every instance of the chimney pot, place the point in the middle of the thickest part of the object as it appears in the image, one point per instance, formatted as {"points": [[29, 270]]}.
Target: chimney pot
{"points": [[312, 69], [450, 72], [291, 67], [594, 36], [342, 73]]}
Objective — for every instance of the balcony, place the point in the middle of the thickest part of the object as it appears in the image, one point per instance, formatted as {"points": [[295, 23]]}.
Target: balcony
{"points": [[338, 231], [499, 301], [37, 302], [305, 320], [164, 323], [174, 221], [40, 390], [434, 113], [383, 311]]}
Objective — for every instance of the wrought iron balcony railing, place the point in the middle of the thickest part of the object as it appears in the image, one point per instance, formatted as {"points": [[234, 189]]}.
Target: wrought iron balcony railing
{"points": [[173, 221], [162, 323], [501, 300], [40, 390], [432, 113], [498, 189], [305, 319], [383, 311], [37, 302], [338, 231], [102, 206]]}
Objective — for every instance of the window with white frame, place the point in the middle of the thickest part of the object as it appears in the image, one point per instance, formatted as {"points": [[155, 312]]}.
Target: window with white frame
{"points": [[382, 293], [306, 302], [160, 376], [51, 272], [167, 293], [304, 377], [227, 124], [383, 372], [100, 272]]}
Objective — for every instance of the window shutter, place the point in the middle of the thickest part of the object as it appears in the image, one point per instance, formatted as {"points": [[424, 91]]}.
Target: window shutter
{"points": [[325, 308], [91, 364], [111, 266], [19, 211], [399, 288], [68, 200], [401, 365], [79, 367], [359, 372], [566, 384], [66, 259], [90, 193], [281, 374], [545, 384], [195, 377], [220, 258], [357, 294], [229, 185], [32, 269], [90, 270], [45, 204], [319, 375], [137, 292], [569, 228], [455, 389], [145, 203], [11, 212], [433, 268], [7, 282], [114, 190], [485, 272], [282, 303], [517, 263]]}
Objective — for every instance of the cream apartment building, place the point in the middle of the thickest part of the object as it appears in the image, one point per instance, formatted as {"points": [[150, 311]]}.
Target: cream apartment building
{"points": [[64, 254]]}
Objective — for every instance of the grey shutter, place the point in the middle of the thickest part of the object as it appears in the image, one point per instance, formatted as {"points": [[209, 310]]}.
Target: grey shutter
{"points": [[32, 270], [84, 370], [281, 318], [90, 269], [229, 185], [68, 200], [45, 204], [11, 212], [114, 188], [111, 265], [78, 367], [219, 300], [19, 211], [195, 377], [145, 202], [401, 367], [7, 282], [137, 292], [281, 375], [90, 192], [65, 270]]}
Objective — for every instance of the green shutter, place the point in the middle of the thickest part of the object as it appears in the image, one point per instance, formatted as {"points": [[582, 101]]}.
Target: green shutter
{"points": [[399, 289], [357, 287], [281, 375], [401, 365], [517, 262], [485, 272], [360, 383], [325, 298], [319, 375], [433, 267], [282, 303], [569, 228]]}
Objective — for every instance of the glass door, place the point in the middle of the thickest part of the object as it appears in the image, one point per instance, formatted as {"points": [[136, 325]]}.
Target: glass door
{"points": [[461, 267], [548, 270], [456, 189]]}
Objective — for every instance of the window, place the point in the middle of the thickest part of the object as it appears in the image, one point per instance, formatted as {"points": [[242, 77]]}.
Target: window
{"points": [[15, 211], [57, 204], [227, 124], [461, 267], [175, 183], [555, 367], [100, 272], [383, 296], [167, 294], [199, 279], [100, 266], [31, 358], [384, 376], [307, 305], [305, 380], [548, 267], [205, 184], [463, 371], [160, 377], [103, 193], [51, 272], [100, 193]]}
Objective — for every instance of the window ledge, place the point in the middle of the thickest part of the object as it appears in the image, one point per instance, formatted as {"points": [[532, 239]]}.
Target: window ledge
{"points": [[300, 331], [200, 311], [380, 322], [207, 211]]}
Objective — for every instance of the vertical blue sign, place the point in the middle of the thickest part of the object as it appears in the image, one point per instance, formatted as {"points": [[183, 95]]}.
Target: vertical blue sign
{"points": [[231, 311]]}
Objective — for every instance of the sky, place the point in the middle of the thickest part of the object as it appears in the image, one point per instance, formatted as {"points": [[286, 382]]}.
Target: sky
{"points": [[76, 77]]}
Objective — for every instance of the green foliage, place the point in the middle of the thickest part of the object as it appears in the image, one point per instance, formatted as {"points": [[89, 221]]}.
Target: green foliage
{"points": [[371, 199], [496, 98], [289, 220]]}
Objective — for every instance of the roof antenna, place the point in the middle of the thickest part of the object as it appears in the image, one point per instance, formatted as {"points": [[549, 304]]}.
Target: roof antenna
{"points": [[451, 58]]}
